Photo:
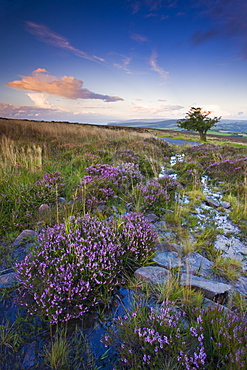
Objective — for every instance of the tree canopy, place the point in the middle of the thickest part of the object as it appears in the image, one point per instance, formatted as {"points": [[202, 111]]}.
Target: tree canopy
{"points": [[197, 120]]}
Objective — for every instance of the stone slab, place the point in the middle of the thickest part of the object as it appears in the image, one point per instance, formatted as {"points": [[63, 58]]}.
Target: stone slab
{"points": [[210, 288], [8, 280]]}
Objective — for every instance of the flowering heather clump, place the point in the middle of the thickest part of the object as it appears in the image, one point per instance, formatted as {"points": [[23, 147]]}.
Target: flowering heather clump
{"points": [[225, 339], [137, 239], [103, 182], [80, 262], [71, 269], [148, 339], [127, 155], [230, 169], [153, 195]]}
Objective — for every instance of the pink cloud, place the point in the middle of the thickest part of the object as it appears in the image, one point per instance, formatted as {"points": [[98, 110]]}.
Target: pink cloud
{"points": [[67, 87]]}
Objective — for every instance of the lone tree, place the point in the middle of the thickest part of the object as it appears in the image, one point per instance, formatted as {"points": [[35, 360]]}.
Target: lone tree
{"points": [[198, 120]]}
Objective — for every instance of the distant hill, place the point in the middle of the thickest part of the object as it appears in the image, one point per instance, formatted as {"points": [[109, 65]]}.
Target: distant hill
{"points": [[231, 127]]}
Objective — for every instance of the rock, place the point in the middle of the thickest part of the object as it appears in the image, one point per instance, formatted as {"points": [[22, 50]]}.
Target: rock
{"points": [[44, 208], [30, 355], [8, 280], [24, 237], [212, 202], [151, 217], [225, 204], [211, 289], [22, 244], [196, 263], [168, 259], [154, 274]]}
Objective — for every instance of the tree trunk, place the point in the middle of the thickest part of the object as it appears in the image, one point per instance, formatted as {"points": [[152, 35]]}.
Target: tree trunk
{"points": [[202, 136]]}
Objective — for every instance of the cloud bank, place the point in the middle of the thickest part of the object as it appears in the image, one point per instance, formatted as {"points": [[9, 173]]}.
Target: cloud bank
{"points": [[68, 86]]}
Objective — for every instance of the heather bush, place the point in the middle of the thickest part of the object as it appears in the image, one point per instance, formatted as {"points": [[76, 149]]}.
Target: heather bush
{"points": [[154, 195], [189, 173], [73, 267], [78, 264], [103, 183], [137, 239], [156, 338], [225, 339]]}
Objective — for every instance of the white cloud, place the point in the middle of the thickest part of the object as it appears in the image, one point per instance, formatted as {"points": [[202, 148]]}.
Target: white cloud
{"points": [[52, 38], [139, 38], [156, 68], [157, 109], [67, 87]]}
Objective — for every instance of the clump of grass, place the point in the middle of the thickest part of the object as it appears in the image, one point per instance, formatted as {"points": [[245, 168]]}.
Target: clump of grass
{"points": [[57, 355], [230, 268]]}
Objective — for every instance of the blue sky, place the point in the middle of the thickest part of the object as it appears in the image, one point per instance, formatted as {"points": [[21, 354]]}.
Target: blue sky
{"points": [[102, 61]]}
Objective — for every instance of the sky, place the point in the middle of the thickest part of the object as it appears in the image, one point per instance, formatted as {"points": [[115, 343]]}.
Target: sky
{"points": [[103, 61]]}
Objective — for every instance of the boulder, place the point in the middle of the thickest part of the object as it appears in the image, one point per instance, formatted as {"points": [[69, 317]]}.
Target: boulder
{"points": [[153, 274]]}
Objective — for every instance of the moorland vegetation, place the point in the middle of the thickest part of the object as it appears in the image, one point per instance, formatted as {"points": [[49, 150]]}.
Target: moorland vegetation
{"points": [[87, 191]]}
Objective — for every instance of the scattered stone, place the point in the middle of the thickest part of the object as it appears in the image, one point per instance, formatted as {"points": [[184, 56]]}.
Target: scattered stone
{"points": [[211, 289], [167, 259], [30, 356], [207, 303], [225, 204], [212, 202], [44, 208], [151, 217], [154, 274], [8, 280]]}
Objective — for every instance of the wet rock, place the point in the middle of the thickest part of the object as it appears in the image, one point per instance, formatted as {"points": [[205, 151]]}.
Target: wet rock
{"points": [[207, 303], [154, 274], [196, 263], [168, 259], [211, 289], [212, 202], [225, 204], [30, 356], [8, 280], [44, 208], [151, 217]]}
